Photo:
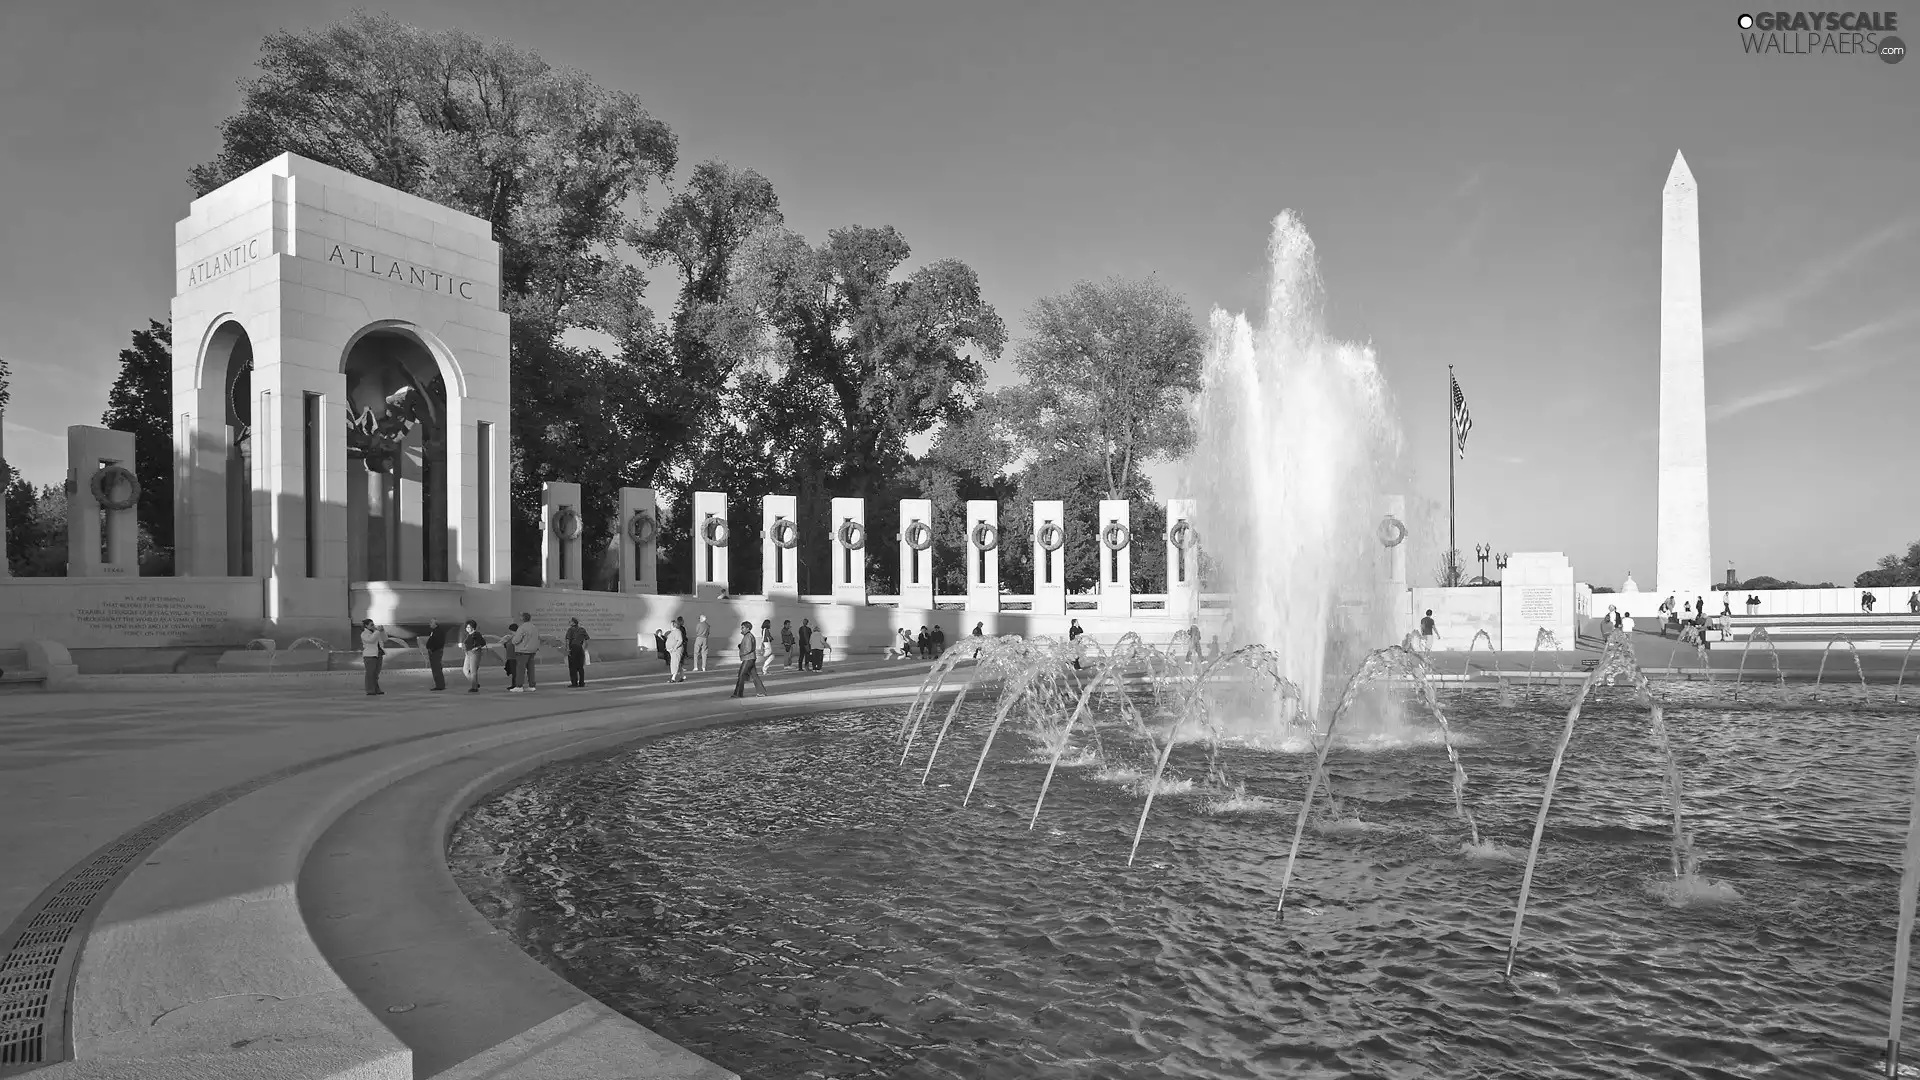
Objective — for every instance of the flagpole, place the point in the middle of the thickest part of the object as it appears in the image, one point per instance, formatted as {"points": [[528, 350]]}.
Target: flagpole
{"points": [[1453, 575]]}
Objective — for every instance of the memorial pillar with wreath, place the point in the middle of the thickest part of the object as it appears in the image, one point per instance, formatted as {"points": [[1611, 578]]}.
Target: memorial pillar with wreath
{"points": [[916, 554], [849, 545], [1393, 537], [780, 546], [710, 537], [1116, 558], [637, 539], [560, 530], [103, 526], [1183, 561], [983, 555], [1049, 557]]}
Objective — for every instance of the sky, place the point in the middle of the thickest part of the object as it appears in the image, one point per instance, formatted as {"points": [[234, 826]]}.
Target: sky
{"points": [[1482, 181]]}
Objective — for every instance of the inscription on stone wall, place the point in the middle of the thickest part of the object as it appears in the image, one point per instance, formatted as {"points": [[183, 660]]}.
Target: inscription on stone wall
{"points": [[402, 272], [220, 265], [602, 621], [1537, 607], [170, 619]]}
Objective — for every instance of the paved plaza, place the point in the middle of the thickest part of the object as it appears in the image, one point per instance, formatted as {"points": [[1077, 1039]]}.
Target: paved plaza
{"points": [[155, 837]]}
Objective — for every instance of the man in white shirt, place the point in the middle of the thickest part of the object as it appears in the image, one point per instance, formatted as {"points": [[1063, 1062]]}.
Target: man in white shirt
{"points": [[371, 653], [676, 649], [527, 646]]}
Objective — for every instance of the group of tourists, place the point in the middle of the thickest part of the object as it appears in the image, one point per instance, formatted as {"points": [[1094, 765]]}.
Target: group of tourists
{"points": [[520, 646]]}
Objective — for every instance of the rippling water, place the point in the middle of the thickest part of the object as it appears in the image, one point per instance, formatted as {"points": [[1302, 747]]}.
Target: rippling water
{"points": [[787, 900]]}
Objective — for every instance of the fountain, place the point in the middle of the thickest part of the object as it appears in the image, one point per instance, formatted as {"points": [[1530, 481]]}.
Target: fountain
{"points": [[846, 918], [1287, 410]]}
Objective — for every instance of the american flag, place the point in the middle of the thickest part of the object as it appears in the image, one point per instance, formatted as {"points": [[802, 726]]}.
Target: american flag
{"points": [[1462, 423]]}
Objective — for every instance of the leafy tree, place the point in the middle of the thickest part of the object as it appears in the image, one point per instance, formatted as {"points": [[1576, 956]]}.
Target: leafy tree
{"points": [[553, 161], [36, 530], [1892, 570], [138, 403], [852, 363], [1106, 376]]}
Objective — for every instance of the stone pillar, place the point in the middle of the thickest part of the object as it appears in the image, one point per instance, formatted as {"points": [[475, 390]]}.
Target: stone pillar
{"points": [[916, 564], [1393, 509], [561, 528], [1116, 558], [1183, 560], [1049, 567], [1398, 619], [779, 565], [983, 555], [850, 551], [638, 540], [101, 542], [710, 541], [1685, 567]]}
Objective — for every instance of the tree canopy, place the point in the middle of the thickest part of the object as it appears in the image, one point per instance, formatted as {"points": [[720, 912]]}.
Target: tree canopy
{"points": [[1107, 372], [1892, 570], [138, 403]]}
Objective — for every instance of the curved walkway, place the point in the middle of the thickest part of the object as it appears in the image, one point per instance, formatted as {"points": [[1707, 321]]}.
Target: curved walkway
{"points": [[254, 883]]}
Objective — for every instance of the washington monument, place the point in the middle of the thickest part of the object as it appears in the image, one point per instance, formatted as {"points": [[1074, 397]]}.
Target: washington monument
{"points": [[1684, 568]]}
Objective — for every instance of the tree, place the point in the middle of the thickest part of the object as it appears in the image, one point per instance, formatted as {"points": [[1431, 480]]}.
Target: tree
{"points": [[36, 530], [1892, 570], [1106, 377], [852, 363], [138, 403], [552, 160]]}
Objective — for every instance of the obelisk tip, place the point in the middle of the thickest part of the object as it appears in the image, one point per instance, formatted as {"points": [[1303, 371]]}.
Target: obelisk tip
{"points": [[1680, 177]]}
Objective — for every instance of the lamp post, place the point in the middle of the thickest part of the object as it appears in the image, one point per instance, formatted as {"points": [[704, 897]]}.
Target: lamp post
{"points": [[1483, 552], [1500, 563]]}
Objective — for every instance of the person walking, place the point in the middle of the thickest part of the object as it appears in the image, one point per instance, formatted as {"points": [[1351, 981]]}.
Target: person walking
{"points": [[528, 647], [675, 651], [1867, 601], [766, 645], [1073, 638], [371, 653], [701, 631], [436, 648], [749, 664], [1427, 631], [1913, 602], [472, 644], [576, 639], [509, 642], [786, 643], [806, 644]]}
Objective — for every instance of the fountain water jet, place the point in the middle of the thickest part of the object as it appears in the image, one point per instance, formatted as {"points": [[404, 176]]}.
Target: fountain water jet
{"points": [[1294, 436], [1616, 660]]}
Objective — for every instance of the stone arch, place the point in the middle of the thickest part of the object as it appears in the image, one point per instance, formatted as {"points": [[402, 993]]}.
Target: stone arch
{"points": [[443, 357], [401, 452], [223, 409]]}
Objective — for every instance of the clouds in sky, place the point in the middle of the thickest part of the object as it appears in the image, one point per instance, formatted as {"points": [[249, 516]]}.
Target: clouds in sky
{"points": [[1789, 389], [1869, 330], [1770, 310]]}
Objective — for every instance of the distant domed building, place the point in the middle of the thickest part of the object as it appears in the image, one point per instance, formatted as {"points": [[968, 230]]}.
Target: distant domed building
{"points": [[1630, 585]]}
